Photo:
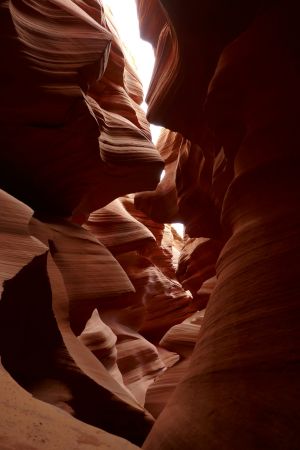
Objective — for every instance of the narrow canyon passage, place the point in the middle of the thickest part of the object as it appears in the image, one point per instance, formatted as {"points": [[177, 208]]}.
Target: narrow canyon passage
{"points": [[117, 328]]}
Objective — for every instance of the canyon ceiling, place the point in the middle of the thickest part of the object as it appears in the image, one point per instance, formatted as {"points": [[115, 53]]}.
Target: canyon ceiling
{"points": [[115, 332]]}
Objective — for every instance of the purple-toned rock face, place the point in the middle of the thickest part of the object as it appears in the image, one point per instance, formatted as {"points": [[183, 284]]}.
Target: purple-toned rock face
{"points": [[115, 332]]}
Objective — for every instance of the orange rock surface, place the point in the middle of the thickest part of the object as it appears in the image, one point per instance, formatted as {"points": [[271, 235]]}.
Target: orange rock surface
{"points": [[114, 330]]}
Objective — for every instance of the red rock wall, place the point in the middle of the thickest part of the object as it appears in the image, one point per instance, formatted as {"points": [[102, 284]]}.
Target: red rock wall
{"points": [[88, 282], [73, 138], [100, 299], [231, 89]]}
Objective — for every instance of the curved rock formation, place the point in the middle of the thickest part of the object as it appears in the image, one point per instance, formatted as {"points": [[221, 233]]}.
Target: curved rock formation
{"points": [[76, 159], [100, 300], [195, 179], [178, 88], [241, 386], [197, 266], [38, 347], [59, 53], [37, 425], [181, 340], [101, 340], [161, 205], [117, 229], [145, 251]]}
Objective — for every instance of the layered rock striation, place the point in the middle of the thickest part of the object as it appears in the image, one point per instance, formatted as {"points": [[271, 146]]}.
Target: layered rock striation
{"points": [[73, 138], [109, 321], [233, 94]]}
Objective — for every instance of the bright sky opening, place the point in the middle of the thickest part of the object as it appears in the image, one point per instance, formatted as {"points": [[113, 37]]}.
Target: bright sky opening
{"points": [[126, 21], [125, 18]]}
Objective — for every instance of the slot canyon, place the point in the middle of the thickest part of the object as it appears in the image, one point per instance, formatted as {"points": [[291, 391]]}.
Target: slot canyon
{"points": [[116, 332]]}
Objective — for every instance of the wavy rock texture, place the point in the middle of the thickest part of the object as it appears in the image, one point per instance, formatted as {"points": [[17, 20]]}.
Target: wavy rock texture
{"points": [[125, 141], [197, 267], [152, 19], [117, 229], [236, 101], [38, 347], [101, 341], [161, 204], [73, 138], [181, 340], [195, 179], [91, 274], [145, 251], [73, 321], [178, 88], [15, 218], [61, 53], [138, 361], [100, 299]]}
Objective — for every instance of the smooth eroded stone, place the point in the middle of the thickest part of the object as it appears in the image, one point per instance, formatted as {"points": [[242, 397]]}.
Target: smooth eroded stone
{"points": [[38, 426], [117, 229], [91, 143]]}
